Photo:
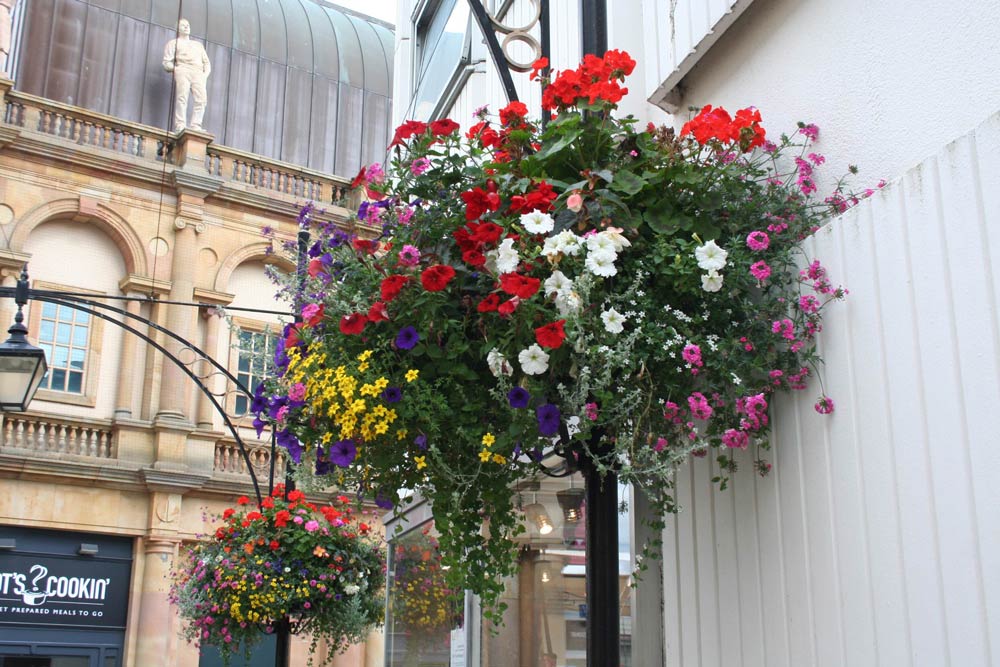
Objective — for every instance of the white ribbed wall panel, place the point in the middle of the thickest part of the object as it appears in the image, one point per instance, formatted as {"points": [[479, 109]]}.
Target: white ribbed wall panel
{"points": [[876, 539]]}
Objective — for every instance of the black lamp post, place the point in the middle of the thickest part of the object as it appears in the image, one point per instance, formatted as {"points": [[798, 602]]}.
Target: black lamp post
{"points": [[22, 365]]}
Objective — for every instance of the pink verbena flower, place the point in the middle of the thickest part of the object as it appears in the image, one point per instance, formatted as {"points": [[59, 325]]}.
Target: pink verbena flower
{"points": [[760, 270], [825, 405], [758, 240]]}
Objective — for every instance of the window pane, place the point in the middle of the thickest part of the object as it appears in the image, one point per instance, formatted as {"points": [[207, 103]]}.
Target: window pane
{"points": [[49, 310], [244, 363], [46, 330], [59, 379], [77, 357], [63, 332], [48, 353], [66, 313], [82, 317], [61, 357], [80, 336], [75, 383], [241, 405]]}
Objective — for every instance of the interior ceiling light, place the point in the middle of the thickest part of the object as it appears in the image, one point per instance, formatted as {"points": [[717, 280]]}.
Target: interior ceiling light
{"points": [[571, 502], [538, 515]]}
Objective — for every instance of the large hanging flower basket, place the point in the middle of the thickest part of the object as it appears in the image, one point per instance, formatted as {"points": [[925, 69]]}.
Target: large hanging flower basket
{"points": [[317, 569], [632, 295]]}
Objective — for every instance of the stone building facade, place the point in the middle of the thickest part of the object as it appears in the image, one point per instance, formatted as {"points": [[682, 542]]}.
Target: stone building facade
{"points": [[119, 459]]}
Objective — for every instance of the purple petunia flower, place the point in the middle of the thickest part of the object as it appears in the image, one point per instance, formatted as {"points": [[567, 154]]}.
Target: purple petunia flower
{"points": [[383, 501], [322, 463], [420, 441], [342, 453], [259, 425], [392, 394], [518, 397], [407, 338], [548, 419], [287, 440]]}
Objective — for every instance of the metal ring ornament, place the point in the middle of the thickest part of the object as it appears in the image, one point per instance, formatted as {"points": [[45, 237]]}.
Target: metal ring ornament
{"points": [[520, 34]]}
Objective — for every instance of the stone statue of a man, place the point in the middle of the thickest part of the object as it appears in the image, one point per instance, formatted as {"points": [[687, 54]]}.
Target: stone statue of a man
{"points": [[189, 62]]}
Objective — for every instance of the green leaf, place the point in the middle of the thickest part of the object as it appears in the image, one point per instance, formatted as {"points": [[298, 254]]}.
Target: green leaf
{"points": [[627, 182], [565, 140]]}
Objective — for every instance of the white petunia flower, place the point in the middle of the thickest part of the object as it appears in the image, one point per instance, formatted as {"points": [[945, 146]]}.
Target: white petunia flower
{"points": [[507, 258], [558, 283], [601, 243], [568, 303], [601, 264], [711, 257], [498, 363], [614, 322], [565, 242], [615, 234], [711, 281], [351, 589], [537, 222], [534, 360]]}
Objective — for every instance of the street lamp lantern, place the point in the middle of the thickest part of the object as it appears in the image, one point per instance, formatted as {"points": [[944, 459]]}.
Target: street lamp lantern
{"points": [[22, 365]]}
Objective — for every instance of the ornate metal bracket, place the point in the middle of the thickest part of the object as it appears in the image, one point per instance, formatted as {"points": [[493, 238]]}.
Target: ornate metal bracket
{"points": [[504, 62]]}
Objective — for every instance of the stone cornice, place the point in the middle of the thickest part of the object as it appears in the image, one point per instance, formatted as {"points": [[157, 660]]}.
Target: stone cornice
{"points": [[173, 481], [194, 184]]}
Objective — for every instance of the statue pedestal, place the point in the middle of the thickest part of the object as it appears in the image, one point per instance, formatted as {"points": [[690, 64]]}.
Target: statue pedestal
{"points": [[191, 149]]}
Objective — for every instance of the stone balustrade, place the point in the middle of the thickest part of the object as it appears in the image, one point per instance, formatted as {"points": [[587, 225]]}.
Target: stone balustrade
{"points": [[49, 436], [229, 461], [238, 169]]}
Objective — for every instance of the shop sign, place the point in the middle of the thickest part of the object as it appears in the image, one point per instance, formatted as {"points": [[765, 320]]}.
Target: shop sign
{"points": [[63, 590]]}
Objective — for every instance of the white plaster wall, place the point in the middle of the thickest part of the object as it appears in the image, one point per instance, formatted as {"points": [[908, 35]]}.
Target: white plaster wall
{"points": [[59, 250], [876, 539], [888, 82]]}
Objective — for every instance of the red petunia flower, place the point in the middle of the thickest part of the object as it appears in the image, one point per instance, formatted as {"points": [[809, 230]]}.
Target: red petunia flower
{"points": [[551, 335], [479, 201], [518, 285], [391, 286], [315, 267], [507, 308], [474, 258], [366, 246], [489, 304], [353, 324], [378, 312], [317, 317], [436, 278]]}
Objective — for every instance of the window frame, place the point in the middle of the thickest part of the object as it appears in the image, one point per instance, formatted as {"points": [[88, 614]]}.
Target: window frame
{"points": [[92, 358], [423, 15], [236, 327]]}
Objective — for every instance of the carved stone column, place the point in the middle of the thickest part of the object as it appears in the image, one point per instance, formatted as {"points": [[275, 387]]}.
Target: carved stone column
{"points": [[156, 642], [213, 319], [125, 393]]}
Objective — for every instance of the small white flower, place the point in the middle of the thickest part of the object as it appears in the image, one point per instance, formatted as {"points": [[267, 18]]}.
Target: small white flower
{"points": [[601, 264], [558, 283], [534, 360], [736, 379], [614, 322], [711, 257], [351, 589], [498, 363], [507, 258], [568, 303], [711, 281], [537, 222]]}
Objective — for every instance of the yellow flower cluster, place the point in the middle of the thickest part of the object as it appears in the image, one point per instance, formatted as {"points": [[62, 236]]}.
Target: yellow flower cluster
{"points": [[485, 455], [342, 394]]}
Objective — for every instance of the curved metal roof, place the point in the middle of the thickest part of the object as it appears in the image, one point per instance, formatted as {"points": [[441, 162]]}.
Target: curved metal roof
{"points": [[303, 81]]}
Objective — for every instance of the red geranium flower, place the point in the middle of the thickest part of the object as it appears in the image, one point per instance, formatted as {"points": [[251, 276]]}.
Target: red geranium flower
{"points": [[275, 545], [242, 500], [281, 518], [228, 513], [267, 503], [551, 335], [488, 137], [539, 65], [295, 495], [539, 199], [353, 323], [518, 285], [407, 130], [391, 286], [513, 114], [436, 278], [254, 516], [489, 304], [443, 127]]}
